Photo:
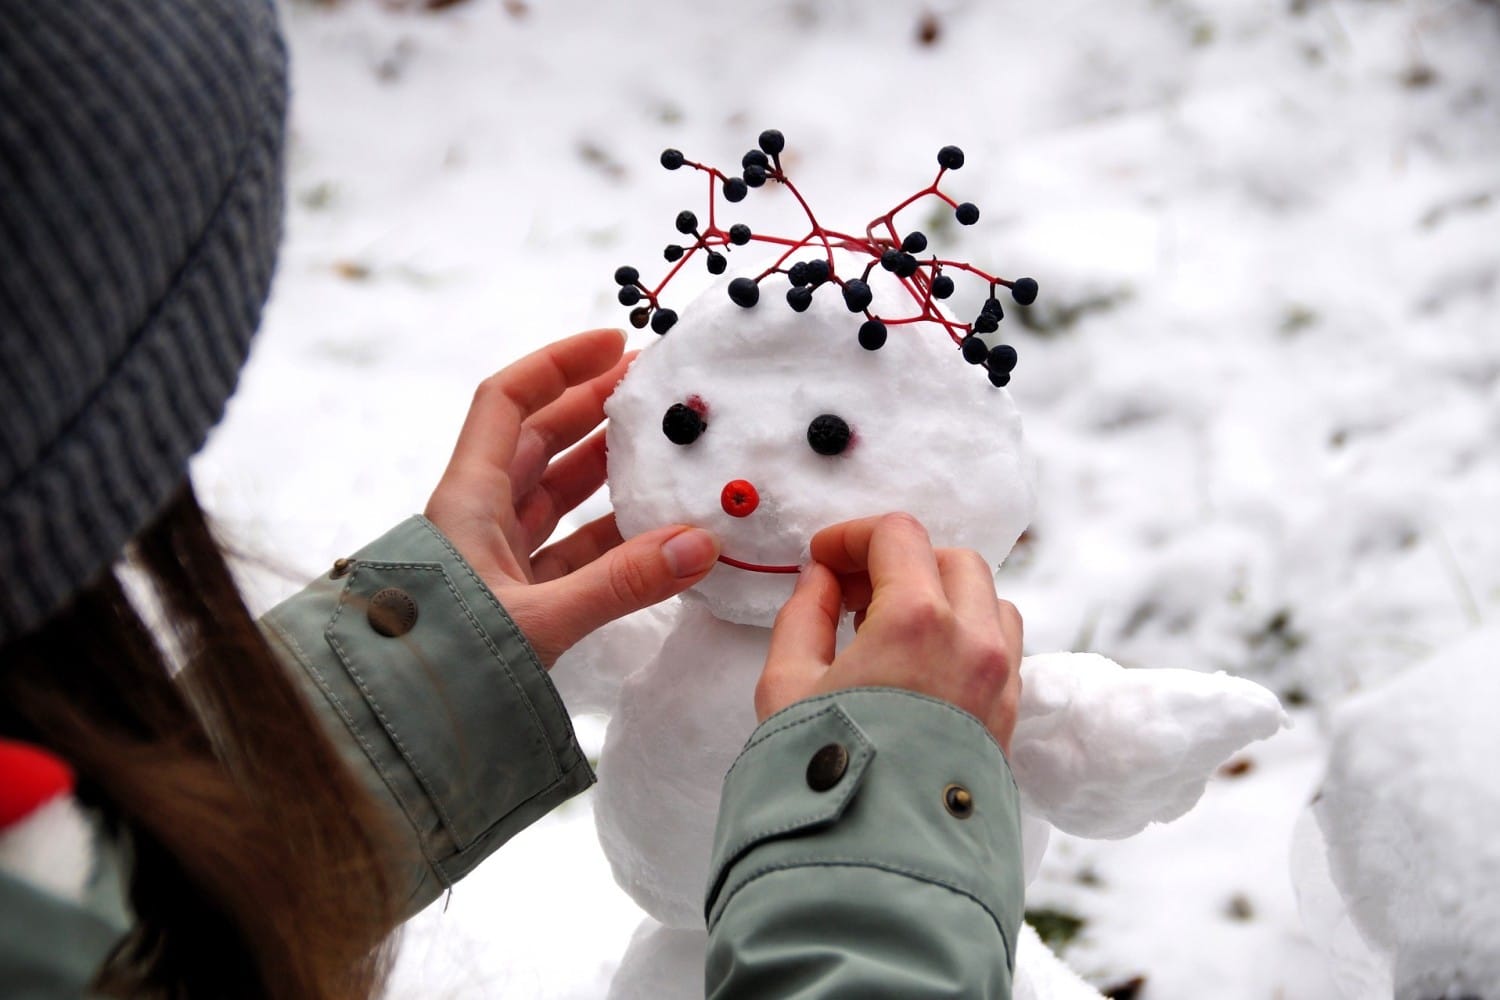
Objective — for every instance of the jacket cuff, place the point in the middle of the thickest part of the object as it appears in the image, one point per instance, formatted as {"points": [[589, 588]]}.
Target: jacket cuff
{"points": [[435, 698], [910, 786]]}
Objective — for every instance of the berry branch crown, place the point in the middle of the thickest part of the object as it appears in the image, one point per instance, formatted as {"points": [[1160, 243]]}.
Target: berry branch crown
{"points": [[926, 279]]}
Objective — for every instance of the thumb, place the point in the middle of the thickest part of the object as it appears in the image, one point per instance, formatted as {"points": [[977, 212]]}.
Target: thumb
{"points": [[635, 574], [802, 641]]}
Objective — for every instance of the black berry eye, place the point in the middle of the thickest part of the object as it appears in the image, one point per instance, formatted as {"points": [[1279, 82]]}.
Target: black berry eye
{"points": [[682, 424], [828, 434]]}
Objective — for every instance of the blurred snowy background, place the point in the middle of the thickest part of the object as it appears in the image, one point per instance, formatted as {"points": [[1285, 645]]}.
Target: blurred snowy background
{"points": [[1262, 382]]}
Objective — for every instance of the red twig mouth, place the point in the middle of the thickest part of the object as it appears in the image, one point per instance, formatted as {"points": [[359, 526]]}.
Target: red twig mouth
{"points": [[756, 567]]}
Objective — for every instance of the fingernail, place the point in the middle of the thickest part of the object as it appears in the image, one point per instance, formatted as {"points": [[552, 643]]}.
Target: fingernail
{"points": [[690, 552]]}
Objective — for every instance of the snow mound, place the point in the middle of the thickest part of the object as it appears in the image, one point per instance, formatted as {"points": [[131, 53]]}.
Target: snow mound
{"points": [[1408, 812]]}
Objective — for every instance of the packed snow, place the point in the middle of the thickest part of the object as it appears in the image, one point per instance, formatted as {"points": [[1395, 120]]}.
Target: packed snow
{"points": [[1407, 814], [1261, 386], [1103, 752]]}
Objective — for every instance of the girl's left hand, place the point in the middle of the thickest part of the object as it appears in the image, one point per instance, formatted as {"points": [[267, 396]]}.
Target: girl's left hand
{"points": [[515, 472]]}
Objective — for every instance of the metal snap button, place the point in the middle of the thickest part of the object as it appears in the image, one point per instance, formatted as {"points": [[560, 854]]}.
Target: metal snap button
{"points": [[959, 801], [827, 767], [341, 568], [392, 612]]}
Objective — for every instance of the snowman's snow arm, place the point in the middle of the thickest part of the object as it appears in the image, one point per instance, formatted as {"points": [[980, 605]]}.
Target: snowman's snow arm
{"points": [[589, 675], [1100, 751]]}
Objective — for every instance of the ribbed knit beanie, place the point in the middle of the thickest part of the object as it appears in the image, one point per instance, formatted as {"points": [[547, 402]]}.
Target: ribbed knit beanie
{"points": [[140, 208]]}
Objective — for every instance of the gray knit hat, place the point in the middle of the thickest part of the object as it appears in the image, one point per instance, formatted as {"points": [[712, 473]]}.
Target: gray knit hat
{"points": [[140, 208]]}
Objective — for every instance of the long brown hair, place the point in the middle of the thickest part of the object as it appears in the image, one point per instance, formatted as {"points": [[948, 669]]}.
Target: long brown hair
{"points": [[256, 859]]}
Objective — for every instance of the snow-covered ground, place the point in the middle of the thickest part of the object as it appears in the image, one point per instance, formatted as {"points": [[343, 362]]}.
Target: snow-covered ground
{"points": [[1261, 386]]}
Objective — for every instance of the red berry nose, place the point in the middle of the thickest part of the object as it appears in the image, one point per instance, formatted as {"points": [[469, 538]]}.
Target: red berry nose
{"points": [[739, 498]]}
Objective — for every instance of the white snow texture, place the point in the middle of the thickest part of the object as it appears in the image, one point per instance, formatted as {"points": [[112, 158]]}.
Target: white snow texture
{"points": [[1408, 812], [1101, 751]]}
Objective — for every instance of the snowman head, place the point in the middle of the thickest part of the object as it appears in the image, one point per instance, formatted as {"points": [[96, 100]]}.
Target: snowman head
{"points": [[765, 424]]}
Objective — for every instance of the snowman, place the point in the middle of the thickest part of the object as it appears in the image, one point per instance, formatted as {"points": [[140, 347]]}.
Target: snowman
{"points": [[764, 422]]}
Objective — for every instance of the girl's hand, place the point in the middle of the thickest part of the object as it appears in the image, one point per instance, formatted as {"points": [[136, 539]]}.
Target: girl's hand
{"points": [[927, 621], [515, 472]]}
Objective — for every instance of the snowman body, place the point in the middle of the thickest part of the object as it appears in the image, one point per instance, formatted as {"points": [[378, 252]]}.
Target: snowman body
{"points": [[926, 434], [678, 725]]}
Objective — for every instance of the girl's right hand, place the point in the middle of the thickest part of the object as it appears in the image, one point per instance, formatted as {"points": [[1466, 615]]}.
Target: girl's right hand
{"points": [[927, 621]]}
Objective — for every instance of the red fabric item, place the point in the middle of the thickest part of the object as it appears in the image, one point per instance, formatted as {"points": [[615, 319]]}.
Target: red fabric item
{"points": [[30, 777]]}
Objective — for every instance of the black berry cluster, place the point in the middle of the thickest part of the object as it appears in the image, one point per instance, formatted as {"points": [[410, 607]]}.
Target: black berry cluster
{"points": [[926, 277]]}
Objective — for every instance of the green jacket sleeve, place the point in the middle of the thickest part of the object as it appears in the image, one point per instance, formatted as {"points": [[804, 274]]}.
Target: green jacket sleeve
{"points": [[451, 721], [868, 846], [51, 948]]}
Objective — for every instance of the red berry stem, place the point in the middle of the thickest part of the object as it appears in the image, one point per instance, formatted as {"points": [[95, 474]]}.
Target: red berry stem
{"points": [[924, 280]]}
